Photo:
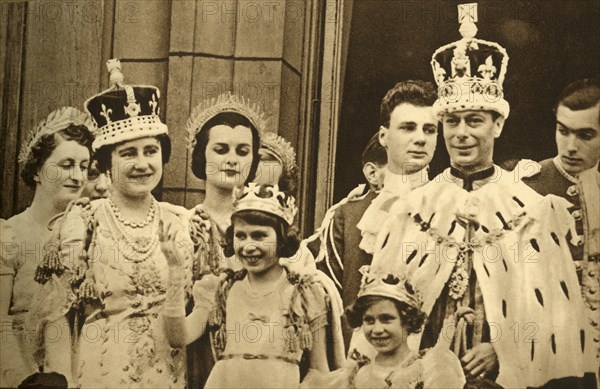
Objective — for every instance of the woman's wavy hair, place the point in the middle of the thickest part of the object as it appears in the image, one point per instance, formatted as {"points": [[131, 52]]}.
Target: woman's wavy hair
{"points": [[230, 119], [44, 147]]}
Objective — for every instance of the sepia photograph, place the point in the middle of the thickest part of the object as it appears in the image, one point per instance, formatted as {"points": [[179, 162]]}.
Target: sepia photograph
{"points": [[300, 194]]}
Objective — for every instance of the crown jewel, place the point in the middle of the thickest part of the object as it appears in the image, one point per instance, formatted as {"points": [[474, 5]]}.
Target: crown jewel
{"points": [[280, 148], [226, 102], [265, 198], [124, 112], [56, 121], [471, 71], [377, 282]]}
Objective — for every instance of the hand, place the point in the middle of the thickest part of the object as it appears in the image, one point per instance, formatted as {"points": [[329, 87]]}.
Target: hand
{"points": [[480, 360], [204, 289], [168, 244]]}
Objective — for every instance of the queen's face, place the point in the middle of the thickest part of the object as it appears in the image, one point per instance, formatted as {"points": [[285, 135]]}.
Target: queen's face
{"points": [[136, 167], [228, 156], [63, 175]]}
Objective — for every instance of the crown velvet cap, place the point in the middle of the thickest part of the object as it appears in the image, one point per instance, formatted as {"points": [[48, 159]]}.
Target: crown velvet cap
{"points": [[470, 72], [124, 112]]}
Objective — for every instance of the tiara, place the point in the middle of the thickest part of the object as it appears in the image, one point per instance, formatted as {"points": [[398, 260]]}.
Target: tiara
{"points": [[56, 121], [281, 148], [225, 102], [265, 198], [376, 282]]}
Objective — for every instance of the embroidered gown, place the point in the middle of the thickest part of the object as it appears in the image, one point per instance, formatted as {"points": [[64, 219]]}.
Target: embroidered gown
{"points": [[262, 335], [119, 286], [209, 258], [436, 368]]}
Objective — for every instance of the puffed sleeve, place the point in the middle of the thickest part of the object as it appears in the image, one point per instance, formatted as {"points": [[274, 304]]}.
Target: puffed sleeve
{"points": [[66, 278], [442, 369], [8, 249], [341, 378], [205, 290], [311, 302]]}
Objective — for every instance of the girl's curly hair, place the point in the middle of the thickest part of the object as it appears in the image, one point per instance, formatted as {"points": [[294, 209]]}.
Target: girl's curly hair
{"points": [[288, 241], [412, 317]]}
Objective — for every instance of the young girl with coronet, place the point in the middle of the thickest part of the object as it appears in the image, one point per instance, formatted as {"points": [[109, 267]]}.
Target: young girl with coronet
{"points": [[389, 309], [263, 318]]}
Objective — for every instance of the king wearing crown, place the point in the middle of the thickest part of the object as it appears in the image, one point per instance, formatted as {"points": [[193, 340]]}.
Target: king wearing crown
{"points": [[486, 250]]}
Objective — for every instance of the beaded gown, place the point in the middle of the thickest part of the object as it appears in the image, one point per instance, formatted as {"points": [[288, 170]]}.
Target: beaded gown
{"points": [[119, 284]]}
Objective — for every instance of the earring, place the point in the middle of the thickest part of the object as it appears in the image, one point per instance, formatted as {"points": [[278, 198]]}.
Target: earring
{"points": [[108, 177]]}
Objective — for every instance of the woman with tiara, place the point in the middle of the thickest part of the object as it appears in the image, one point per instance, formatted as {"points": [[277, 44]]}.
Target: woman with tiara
{"points": [[117, 274], [55, 161], [223, 137]]}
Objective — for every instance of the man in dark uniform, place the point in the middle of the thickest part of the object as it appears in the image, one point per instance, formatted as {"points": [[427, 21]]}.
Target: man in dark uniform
{"points": [[339, 256], [407, 138], [573, 174]]}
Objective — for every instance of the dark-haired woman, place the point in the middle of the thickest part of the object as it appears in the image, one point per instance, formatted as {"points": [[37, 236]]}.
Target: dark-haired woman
{"points": [[55, 160], [117, 273], [223, 136]]}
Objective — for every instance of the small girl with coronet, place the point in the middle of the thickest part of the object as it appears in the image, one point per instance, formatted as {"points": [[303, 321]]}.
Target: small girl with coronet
{"points": [[264, 320], [389, 309]]}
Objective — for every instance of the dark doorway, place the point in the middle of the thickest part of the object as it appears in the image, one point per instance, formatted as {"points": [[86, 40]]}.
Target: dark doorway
{"points": [[550, 44]]}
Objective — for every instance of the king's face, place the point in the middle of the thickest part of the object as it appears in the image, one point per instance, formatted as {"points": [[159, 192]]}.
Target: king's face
{"points": [[470, 136]]}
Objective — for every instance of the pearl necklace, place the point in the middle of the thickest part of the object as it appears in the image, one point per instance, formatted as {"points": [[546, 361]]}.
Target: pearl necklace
{"points": [[136, 249], [147, 221]]}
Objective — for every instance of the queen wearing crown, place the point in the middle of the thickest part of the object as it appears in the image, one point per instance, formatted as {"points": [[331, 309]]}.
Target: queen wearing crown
{"points": [[108, 260], [55, 159]]}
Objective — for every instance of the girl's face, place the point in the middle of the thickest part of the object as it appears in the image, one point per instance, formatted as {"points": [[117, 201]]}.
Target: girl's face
{"points": [[228, 156], [136, 167], [255, 246], [383, 327], [63, 174]]}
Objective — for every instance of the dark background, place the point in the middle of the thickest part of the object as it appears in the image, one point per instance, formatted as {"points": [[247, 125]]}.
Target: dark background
{"points": [[549, 43]]}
